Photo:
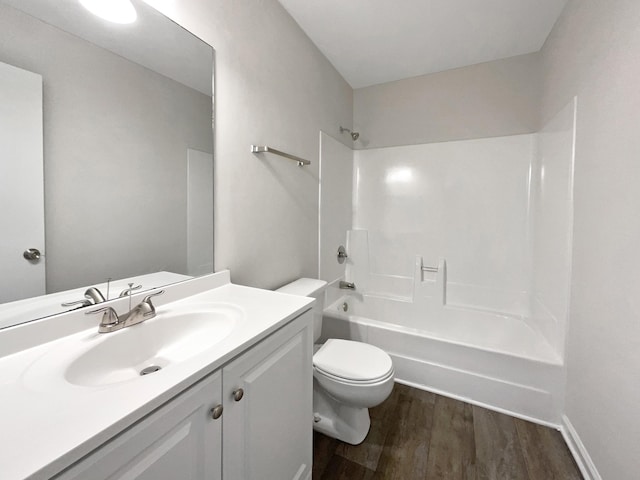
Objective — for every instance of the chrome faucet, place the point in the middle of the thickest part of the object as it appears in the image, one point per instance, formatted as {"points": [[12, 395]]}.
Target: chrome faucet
{"points": [[112, 322], [347, 285], [92, 296]]}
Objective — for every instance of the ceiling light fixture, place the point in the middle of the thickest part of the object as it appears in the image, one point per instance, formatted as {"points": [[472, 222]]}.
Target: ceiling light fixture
{"points": [[116, 11]]}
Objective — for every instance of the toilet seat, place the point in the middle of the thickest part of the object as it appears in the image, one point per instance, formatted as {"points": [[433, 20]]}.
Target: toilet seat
{"points": [[352, 362], [349, 381]]}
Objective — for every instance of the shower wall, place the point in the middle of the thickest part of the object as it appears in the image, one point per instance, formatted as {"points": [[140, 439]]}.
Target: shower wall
{"points": [[336, 167], [495, 215], [467, 202], [552, 226]]}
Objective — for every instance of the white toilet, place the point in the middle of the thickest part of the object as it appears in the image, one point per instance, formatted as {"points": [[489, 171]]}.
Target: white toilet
{"points": [[348, 377]]}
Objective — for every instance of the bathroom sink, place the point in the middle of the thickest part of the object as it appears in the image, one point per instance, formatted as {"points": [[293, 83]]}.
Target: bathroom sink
{"points": [[140, 350], [151, 346]]}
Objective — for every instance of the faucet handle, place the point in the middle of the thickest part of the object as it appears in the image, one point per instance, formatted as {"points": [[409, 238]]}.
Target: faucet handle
{"points": [[109, 317], [151, 309], [147, 299], [83, 303], [127, 291]]}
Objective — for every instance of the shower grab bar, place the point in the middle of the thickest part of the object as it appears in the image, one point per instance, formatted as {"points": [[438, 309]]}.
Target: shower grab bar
{"points": [[265, 149], [429, 269]]}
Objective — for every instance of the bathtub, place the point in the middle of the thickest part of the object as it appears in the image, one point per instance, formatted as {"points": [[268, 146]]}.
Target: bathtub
{"points": [[490, 359]]}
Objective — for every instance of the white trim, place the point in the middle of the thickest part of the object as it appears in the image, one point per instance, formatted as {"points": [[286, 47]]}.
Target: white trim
{"points": [[579, 451]]}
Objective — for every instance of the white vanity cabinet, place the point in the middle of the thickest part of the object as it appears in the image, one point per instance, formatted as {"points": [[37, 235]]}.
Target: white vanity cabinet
{"points": [[267, 434], [263, 433]]}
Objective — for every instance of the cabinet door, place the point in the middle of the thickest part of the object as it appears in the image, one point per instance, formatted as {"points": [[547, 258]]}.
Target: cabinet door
{"points": [[180, 440], [267, 434]]}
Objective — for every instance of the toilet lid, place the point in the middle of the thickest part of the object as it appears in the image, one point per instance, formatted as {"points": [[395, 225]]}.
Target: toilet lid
{"points": [[352, 360]]}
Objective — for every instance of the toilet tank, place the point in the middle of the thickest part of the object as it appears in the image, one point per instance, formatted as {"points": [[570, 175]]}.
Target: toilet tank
{"points": [[309, 287]]}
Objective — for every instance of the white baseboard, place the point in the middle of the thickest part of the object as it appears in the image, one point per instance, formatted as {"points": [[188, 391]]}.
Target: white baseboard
{"points": [[578, 450]]}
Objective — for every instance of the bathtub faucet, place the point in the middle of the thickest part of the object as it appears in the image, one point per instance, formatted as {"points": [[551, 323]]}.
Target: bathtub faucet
{"points": [[347, 285]]}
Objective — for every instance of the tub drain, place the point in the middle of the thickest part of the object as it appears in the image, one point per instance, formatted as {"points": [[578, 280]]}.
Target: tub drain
{"points": [[150, 369]]}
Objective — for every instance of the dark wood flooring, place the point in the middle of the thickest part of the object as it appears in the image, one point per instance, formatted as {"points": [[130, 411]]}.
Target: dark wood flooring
{"points": [[420, 435]]}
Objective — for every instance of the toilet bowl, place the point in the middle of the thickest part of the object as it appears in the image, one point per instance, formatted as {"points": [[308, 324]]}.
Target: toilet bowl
{"points": [[348, 377]]}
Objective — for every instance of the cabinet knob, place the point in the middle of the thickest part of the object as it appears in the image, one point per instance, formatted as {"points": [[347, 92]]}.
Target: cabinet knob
{"points": [[216, 412], [238, 394]]}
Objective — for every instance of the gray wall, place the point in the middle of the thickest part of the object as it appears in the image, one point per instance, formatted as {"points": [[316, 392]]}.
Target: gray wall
{"points": [[273, 87], [486, 100], [593, 53], [116, 138]]}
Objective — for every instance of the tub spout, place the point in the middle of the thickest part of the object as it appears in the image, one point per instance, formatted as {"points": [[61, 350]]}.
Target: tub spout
{"points": [[347, 285]]}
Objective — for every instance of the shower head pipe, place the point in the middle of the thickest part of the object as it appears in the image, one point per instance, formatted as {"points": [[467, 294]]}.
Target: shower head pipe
{"points": [[354, 135]]}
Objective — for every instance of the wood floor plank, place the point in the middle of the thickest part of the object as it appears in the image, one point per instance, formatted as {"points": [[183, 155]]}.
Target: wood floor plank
{"points": [[340, 468], [406, 448], [389, 404], [545, 453], [427, 436], [408, 391], [323, 450], [498, 452], [368, 452], [452, 448]]}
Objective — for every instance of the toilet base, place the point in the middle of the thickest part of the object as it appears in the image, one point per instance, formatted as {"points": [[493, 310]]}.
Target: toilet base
{"points": [[337, 420]]}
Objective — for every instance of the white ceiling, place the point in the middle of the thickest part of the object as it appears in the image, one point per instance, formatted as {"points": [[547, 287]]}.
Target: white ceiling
{"points": [[371, 42]]}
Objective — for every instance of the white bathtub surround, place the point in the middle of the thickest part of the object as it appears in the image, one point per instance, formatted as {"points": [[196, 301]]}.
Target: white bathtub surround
{"points": [[425, 287], [552, 229], [465, 201], [461, 255], [495, 215]]}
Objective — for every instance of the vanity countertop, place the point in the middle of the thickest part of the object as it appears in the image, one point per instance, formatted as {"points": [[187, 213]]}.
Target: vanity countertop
{"points": [[48, 423]]}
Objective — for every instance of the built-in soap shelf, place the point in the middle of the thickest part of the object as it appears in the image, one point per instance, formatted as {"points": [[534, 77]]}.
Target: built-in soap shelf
{"points": [[430, 281]]}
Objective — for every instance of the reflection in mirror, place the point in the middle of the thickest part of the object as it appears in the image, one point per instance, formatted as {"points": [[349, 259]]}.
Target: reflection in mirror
{"points": [[117, 118]]}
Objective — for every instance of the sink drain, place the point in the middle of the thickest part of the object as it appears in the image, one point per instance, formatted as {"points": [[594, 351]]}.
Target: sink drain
{"points": [[150, 369]]}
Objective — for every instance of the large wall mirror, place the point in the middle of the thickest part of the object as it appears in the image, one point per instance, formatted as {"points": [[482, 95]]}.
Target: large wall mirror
{"points": [[106, 152]]}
